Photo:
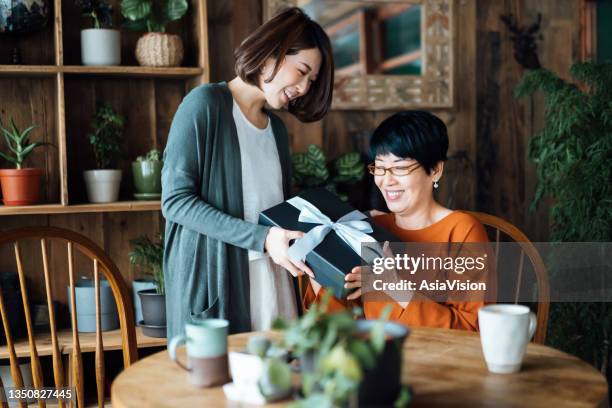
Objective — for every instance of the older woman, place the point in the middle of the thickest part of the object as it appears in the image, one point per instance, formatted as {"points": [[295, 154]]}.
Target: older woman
{"points": [[409, 150]]}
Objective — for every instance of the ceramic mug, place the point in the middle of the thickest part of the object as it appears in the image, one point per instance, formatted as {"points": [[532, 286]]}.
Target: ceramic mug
{"points": [[206, 341], [505, 331]]}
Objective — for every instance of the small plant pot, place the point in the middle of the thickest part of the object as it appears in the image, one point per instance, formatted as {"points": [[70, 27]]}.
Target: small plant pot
{"points": [[382, 383], [100, 46], [159, 50], [147, 177], [153, 307], [137, 286], [102, 185], [85, 298], [20, 186]]}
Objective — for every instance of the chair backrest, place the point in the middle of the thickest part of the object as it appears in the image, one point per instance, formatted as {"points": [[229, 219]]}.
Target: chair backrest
{"points": [[72, 243], [499, 227]]}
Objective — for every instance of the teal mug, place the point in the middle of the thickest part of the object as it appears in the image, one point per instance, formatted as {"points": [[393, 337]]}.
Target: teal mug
{"points": [[206, 343]]}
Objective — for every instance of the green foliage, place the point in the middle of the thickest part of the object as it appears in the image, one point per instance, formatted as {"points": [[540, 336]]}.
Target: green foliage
{"points": [[310, 169], [106, 137], [150, 15], [339, 355], [149, 256], [100, 12], [573, 157], [152, 155], [18, 143]]}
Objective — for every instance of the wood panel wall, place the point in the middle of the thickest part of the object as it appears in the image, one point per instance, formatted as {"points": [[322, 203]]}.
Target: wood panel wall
{"points": [[488, 124]]}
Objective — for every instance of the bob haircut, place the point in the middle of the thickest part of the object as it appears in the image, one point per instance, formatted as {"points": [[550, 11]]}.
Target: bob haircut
{"points": [[418, 135], [286, 34]]}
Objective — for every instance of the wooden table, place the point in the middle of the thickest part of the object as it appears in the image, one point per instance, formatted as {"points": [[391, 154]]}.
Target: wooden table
{"points": [[444, 367]]}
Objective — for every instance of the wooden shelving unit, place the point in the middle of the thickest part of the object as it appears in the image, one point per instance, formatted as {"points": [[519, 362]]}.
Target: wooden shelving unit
{"points": [[60, 96], [53, 91]]}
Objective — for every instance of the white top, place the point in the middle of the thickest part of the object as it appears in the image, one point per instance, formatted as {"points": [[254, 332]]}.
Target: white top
{"points": [[271, 288]]}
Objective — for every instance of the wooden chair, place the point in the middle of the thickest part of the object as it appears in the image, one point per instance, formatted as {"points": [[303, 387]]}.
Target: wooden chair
{"points": [[101, 264], [500, 226]]}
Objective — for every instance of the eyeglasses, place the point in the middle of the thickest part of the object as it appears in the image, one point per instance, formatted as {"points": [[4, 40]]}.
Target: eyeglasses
{"points": [[396, 171]]}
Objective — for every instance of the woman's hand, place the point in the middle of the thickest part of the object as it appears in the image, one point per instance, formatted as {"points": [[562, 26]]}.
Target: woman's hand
{"points": [[353, 280], [277, 244]]}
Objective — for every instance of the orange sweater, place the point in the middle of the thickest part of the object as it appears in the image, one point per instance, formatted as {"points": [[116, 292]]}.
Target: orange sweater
{"points": [[457, 227]]}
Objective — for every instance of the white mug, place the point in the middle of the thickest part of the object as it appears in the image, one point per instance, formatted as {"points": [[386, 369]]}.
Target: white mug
{"points": [[505, 331]]}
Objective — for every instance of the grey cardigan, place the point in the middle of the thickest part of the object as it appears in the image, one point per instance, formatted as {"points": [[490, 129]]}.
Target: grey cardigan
{"points": [[205, 258]]}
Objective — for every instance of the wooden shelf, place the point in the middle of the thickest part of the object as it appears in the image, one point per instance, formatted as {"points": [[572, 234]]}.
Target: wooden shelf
{"points": [[29, 70], [119, 206], [110, 339], [123, 71], [110, 71]]}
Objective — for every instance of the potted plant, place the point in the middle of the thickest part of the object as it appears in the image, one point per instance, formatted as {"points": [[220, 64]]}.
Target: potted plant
{"points": [[149, 256], [155, 48], [347, 361], [147, 175], [100, 45], [343, 176], [260, 374], [20, 186], [103, 183]]}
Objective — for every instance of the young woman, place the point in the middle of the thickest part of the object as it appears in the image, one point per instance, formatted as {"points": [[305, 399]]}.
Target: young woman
{"points": [[227, 159], [409, 150]]}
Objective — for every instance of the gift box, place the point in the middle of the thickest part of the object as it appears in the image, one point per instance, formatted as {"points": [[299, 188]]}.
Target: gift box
{"points": [[333, 257]]}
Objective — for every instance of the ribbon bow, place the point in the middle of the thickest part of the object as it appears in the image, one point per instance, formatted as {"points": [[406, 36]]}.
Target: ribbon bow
{"points": [[349, 227]]}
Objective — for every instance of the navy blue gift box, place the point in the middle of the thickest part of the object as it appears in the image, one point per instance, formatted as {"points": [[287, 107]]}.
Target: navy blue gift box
{"points": [[333, 258]]}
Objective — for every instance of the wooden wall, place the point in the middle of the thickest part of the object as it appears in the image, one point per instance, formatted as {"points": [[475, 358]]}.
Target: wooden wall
{"points": [[488, 123]]}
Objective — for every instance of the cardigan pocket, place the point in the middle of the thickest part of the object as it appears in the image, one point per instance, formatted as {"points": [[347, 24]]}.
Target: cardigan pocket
{"points": [[211, 312]]}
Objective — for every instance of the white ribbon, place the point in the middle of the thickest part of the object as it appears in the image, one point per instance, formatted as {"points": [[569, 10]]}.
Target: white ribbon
{"points": [[349, 227]]}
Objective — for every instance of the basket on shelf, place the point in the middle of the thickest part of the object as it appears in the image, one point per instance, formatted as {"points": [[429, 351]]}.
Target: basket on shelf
{"points": [[159, 50]]}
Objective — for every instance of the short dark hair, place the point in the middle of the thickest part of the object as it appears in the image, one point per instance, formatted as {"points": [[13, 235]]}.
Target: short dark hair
{"points": [[418, 135], [286, 34]]}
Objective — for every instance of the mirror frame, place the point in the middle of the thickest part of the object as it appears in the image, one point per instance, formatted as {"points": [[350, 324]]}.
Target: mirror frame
{"points": [[433, 89]]}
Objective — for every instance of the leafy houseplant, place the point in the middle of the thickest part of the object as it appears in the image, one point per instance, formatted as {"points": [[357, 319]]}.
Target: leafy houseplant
{"points": [[147, 175], [572, 156], [155, 47], [310, 169], [342, 358], [20, 186], [100, 45], [103, 183], [149, 256]]}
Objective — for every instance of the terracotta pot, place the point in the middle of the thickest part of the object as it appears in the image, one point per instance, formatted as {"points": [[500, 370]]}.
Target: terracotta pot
{"points": [[20, 186], [159, 50]]}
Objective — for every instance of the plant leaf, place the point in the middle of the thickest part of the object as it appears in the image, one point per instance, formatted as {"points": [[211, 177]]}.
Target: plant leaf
{"points": [[174, 9], [136, 9]]}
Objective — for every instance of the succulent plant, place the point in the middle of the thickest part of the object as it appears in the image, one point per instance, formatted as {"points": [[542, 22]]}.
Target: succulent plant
{"points": [[18, 143], [152, 155]]}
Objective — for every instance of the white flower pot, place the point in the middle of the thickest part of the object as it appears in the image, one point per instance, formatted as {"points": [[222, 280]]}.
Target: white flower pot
{"points": [[102, 185], [100, 46]]}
